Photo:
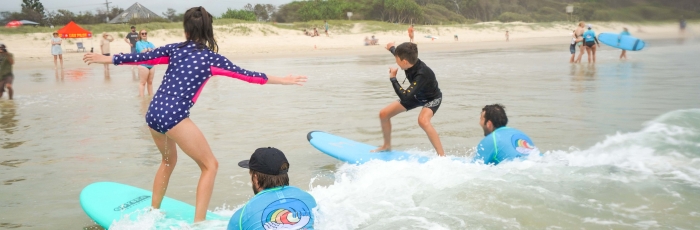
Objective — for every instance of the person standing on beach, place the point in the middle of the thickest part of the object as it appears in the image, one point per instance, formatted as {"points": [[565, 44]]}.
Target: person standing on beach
{"points": [[579, 40], [104, 46], [624, 32], [410, 33], [325, 25], [190, 65], [56, 50], [682, 25], [572, 47], [146, 72], [131, 39], [6, 77], [507, 37], [423, 93], [590, 38]]}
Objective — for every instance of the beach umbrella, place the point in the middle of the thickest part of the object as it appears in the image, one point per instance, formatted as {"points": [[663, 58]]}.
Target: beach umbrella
{"points": [[27, 22], [13, 24]]}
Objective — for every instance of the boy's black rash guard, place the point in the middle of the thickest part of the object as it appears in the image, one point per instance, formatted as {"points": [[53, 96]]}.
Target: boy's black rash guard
{"points": [[424, 85]]}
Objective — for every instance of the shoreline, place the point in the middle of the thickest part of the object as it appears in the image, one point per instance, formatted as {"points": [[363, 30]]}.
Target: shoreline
{"points": [[270, 42]]}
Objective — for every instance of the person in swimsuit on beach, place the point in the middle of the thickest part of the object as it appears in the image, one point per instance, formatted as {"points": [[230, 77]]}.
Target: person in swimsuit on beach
{"points": [[146, 72], [6, 76], [190, 65], [591, 41], [579, 40], [410, 33], [423, 93], [572, 47]]}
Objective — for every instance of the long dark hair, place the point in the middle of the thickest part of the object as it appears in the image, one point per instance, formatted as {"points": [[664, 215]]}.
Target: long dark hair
{"points": [[199, 29]]}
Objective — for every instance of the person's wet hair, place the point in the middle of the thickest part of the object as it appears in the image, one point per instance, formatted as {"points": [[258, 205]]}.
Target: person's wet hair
{"points": [[266, 181], [407, 51], [495, 113], [199, 28]]}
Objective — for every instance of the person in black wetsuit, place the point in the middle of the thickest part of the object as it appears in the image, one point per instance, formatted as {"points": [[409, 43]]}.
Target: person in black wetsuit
{"points": [[422, 92]]}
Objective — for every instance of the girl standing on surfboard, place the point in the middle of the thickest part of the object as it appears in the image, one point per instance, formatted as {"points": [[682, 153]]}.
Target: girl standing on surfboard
{"points": [[190, 65]]}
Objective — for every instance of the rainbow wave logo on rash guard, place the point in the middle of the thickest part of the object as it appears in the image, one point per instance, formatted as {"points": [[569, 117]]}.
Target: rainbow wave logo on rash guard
{"points": [[522, 146], [286, 213]]}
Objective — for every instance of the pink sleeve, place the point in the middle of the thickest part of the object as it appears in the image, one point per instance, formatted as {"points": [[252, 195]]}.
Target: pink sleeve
{"points": [[247, 78], [160, 55]]}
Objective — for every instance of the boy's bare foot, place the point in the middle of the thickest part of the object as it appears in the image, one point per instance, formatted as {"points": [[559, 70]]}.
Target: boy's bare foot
{"points": [[382, 149]]}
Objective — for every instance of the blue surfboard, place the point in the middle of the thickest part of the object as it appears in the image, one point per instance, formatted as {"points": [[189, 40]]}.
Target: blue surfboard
{"points": [[107, 202], [355, 152], [624, 42]]}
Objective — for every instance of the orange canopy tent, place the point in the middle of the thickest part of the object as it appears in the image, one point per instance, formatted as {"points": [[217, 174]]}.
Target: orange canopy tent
{"points": [[72, 30]]}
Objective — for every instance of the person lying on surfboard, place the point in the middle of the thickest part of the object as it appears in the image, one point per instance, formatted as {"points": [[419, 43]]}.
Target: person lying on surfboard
{"points": [[423, 92], [276, 205], [190, 65]]}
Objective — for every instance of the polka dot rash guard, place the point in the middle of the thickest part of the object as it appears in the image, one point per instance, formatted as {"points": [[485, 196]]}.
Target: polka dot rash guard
{"points": [[189, 69]]}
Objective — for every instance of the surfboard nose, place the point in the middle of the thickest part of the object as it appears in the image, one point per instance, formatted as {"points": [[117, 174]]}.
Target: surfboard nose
{"points": [[309, 136]]}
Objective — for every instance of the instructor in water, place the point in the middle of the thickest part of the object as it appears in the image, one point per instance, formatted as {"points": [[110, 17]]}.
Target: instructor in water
{"points": [[501, 143]]}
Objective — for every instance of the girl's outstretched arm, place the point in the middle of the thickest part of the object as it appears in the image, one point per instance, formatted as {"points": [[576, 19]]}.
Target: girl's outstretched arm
{"points": [[288, 80]]}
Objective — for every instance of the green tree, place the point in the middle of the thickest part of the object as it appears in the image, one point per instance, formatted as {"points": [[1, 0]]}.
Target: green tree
{"points": [[33, 10], [239, 14]]}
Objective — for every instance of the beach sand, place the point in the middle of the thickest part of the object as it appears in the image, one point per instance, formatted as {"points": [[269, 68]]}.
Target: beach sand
{"points": [[267, 41]]}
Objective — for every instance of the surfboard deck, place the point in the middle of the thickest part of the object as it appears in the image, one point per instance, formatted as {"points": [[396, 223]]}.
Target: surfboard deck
{"points": [[106, 202], [355, 152], [621, 42]]}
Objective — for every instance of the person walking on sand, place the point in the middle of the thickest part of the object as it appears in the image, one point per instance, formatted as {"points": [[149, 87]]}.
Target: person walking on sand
{"points": [[6, 77], [410, 33], [624, 32], [104, 46], [422, 93], [325, 25], [507, 37], [146, 72], [579, 40], [56, 50], [190, 65]]}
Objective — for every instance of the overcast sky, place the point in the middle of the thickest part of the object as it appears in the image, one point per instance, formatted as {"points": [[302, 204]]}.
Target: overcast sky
{"points": [[215, 7]]}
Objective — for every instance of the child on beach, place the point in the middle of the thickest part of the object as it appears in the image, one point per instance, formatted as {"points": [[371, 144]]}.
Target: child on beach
{"points": [[423, 92], [190, 65], [572, 47]]}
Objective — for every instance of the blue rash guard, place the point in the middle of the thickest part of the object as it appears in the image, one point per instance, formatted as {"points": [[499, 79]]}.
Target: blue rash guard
{"points": [[285, 207], [503, 144]]}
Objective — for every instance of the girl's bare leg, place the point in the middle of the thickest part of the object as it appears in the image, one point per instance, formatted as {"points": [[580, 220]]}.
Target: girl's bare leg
{"points": [[55, 61], [149, 81], [143, 76], [594, 48], [168, 151], [60, 56], [192, 142]]}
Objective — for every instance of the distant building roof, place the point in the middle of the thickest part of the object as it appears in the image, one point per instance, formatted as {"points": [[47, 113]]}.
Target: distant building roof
{"points": [[134, 11]]}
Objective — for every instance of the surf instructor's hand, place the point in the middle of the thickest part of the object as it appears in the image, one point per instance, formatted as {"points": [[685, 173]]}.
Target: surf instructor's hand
{"points": [[389, 45], [392, 72], [90, 58]]}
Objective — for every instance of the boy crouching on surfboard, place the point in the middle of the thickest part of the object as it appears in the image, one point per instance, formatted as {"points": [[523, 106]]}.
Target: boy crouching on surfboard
{"points": [[423, 92]]}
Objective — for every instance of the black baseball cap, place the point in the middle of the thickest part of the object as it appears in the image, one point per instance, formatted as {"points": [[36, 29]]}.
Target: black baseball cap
{"points": [[266, 160]]}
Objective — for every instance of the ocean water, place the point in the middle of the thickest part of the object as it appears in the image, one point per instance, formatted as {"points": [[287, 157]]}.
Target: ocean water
{"points": [[621, 141]]}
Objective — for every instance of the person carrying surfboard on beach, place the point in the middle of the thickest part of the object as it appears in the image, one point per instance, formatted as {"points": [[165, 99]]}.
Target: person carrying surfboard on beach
{"points": [[591, 42], [624, 32], [190, 65], [423, 92]]}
